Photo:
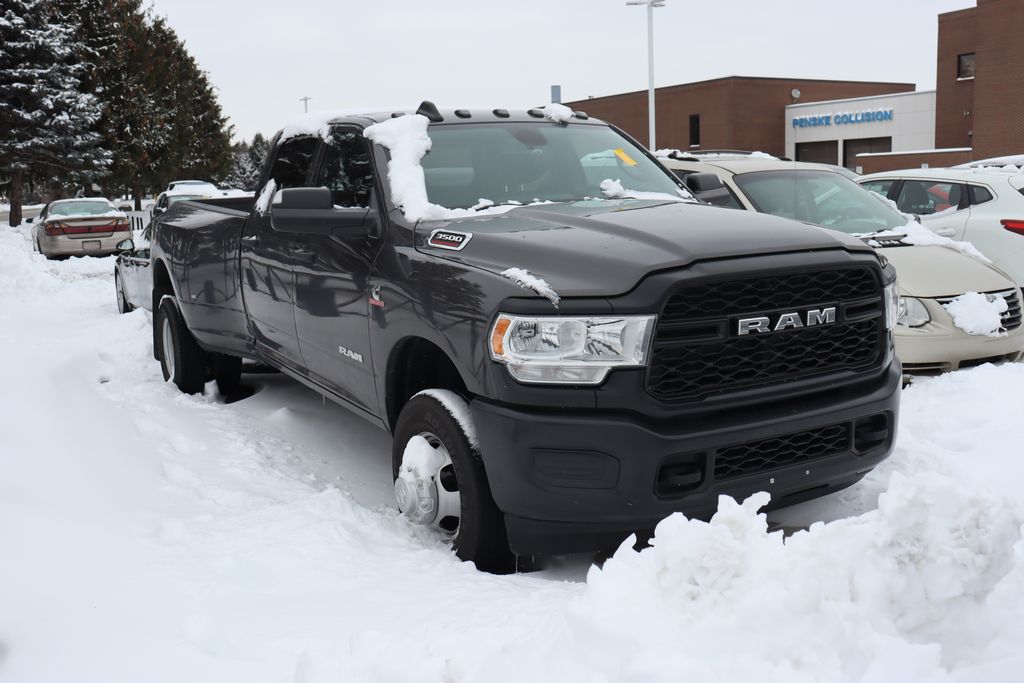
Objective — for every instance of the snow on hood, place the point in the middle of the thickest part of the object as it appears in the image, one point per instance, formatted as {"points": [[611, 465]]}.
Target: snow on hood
{"points": [[527, 281], [978, 314]]}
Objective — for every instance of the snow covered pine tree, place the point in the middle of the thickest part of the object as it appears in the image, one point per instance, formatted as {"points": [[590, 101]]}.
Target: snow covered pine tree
{"points": [[46, 124]]}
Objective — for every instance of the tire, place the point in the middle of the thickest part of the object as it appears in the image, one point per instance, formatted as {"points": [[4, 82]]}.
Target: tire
{"points": [[480, 536], [122, 301], [227, 371], [181, 359]]}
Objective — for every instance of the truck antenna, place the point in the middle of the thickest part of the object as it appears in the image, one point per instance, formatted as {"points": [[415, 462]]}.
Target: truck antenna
{"points": [[429, 109]]}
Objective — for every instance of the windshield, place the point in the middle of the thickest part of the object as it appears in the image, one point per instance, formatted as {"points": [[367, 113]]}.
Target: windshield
{"points": [[529, 162], [83, 208], [820, 197]]}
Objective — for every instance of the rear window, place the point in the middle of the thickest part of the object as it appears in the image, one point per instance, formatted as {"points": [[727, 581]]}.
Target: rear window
{"points": [[82, 208], [979, 194]]}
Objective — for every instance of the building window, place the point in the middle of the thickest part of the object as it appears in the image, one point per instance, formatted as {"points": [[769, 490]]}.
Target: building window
{"points": [[965, 66], [694, 130]]}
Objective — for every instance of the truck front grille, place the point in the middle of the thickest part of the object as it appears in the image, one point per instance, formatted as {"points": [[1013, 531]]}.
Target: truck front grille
{"points": [[698, 353]]}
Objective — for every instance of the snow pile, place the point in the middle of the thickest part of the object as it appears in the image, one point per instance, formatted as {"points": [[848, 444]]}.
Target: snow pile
{"points": [[266, 196], [527, 281], [881, 597], [918, 234], [559, 113], [405, 137], [978, 314], [612, 189]]}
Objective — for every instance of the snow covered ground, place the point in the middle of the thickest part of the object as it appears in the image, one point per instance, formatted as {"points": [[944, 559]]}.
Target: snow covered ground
{"points": [[151, 536]]}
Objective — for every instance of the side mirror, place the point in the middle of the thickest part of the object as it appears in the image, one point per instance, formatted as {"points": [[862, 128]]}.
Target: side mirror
{"points": [[308, 198], [704, 182], [125, 245], [708, 188], [157, 210], [311, 211]]}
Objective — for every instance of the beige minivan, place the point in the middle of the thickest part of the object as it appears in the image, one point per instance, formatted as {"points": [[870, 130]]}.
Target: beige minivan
{"points": [[931, 276]]}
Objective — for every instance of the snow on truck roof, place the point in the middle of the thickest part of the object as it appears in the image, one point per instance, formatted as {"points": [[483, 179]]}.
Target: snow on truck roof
{"points": [[319, 123]]}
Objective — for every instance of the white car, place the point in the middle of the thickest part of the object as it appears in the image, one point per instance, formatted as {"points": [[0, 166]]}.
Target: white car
{"points": [[983, 206], [932, 277]]}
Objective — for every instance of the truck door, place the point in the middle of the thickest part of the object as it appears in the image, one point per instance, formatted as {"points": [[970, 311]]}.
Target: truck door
{"points": [[332, 269], [268, 278]]}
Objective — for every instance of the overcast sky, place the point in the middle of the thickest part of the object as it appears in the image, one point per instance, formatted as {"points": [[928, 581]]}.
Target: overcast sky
{"points": [[263, 55]]}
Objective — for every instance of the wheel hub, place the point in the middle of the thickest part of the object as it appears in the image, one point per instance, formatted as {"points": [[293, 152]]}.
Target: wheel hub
{"points": [[426, 489]]}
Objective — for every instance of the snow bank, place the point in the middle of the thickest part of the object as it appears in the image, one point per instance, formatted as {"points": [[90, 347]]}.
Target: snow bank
{"points": [[871, 598], [405, 137], [612, 189], [976, 314], [559, 113], [527, 281]]}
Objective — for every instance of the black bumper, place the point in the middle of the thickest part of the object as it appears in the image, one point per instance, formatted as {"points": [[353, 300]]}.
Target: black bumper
{"points": [[579, 481]]}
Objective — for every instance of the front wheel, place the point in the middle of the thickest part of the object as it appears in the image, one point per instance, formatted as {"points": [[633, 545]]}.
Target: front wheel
{"points": [[181, 359], [440, 480]]}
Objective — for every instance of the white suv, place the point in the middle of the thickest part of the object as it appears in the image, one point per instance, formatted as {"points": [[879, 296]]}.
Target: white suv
{"points": [[983, 206]]}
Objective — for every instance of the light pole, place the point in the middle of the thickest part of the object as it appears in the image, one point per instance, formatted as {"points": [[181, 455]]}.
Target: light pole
{"points": [[305, 103], [651, 4]]}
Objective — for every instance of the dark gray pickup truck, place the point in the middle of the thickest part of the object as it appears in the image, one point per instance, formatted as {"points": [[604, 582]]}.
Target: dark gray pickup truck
{"points": [[565, 349]]}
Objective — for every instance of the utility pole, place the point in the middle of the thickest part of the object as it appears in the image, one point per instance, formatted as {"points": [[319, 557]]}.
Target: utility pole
{"points": [[651, 4], [305, 103]]}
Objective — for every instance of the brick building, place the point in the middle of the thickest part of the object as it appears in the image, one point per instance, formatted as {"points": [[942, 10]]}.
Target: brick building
{"points": [[975, 112], [736, 112]]}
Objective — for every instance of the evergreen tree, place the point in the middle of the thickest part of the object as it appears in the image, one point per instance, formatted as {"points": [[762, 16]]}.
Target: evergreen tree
{"points": [[46, 124], [247, 163]]}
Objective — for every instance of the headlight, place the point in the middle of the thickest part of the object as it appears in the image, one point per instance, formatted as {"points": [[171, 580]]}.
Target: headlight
{"points": [[912, 312], [563, 350], [892, 305]]}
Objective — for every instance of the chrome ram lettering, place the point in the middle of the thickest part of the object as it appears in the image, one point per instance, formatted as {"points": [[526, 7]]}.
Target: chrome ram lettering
{"points": [[761, 324]]}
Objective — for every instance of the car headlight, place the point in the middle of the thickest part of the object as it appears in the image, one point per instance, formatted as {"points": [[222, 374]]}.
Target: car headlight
{"points": [[912, 312], [892, 305], [570, 350]]}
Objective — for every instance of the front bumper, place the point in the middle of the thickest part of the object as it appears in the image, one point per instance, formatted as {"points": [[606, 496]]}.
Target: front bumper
{"points": [[940, 346], [62, 245], [584, 480]]}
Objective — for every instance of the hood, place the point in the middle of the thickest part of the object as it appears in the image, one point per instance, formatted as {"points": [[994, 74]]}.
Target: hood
{"points": [[604, 248], [937, 271]]}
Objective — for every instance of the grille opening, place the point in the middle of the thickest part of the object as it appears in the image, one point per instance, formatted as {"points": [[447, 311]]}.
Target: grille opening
{"points": [[870, 432], [681, 475], [781, 451]]}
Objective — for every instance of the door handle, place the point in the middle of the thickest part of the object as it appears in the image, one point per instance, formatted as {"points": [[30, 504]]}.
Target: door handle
{"points": [[250, 240], [304, 255], [945, 232]]}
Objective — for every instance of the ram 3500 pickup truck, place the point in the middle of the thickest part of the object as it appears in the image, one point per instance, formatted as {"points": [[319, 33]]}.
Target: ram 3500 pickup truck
{"points": [[565, 347]]}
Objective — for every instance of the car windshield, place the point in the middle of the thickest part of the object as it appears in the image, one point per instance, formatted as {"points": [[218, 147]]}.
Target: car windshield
{"points": [[821, 197], [82, 208], [534, 161]]}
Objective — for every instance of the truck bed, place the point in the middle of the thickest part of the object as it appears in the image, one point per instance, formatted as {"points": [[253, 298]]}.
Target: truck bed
{"points": [[202, 239]]}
